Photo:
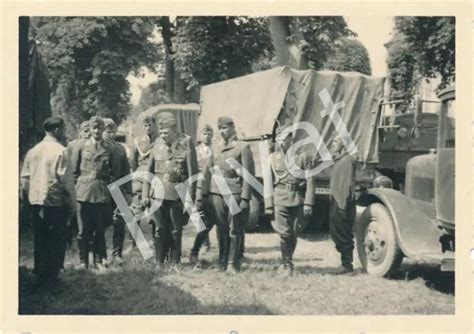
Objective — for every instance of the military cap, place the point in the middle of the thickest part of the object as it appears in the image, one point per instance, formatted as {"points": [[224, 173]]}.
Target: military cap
{"points": [[148, 119], [224, 120], [96, 120], [166, 120], [109, 124], [84, 125], [52, 123], [207, 127]]}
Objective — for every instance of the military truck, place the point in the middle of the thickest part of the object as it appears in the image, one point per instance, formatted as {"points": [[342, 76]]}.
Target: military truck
{"points": [[261, 101], [419, 222], [383, 140]]}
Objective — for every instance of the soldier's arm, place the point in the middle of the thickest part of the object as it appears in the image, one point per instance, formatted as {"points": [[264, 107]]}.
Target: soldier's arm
{"points": [[247, 164], [268, 178], [76, 160], [125, 171], [65, 176], [134, 159], [25, 175], [149, 168], [308, 164], [192, 166]]}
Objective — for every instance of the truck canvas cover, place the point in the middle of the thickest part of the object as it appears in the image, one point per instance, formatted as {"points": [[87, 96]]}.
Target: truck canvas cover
{"points": [[260, 101]]}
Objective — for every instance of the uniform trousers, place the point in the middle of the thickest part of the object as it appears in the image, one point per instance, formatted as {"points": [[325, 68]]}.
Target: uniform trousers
{"points": [[92, 220], [168, 222], [341, 222], [230, 230]]}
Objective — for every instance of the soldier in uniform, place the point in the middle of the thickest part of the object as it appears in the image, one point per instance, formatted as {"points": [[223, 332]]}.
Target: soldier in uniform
{"points": [[46, 177], [73, 145], [230, 226], [204, 154], [121, 160], [293, 197], [173, 160], [94, 168], [342, 210]]}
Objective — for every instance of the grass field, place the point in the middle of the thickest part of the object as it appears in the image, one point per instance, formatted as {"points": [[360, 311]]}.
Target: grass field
{"points": [[259, 289]]}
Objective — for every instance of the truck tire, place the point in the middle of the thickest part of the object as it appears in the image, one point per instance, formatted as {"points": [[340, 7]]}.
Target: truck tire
{"points": [[377, 244], [254, 215]]}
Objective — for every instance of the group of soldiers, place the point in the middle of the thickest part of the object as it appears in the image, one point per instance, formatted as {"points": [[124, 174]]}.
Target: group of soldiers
{"points": [[69, 184]]}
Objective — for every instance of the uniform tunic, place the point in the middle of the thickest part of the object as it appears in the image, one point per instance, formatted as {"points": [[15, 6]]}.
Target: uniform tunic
{"points": [[172, 164], [290, 193], [95, 166]]}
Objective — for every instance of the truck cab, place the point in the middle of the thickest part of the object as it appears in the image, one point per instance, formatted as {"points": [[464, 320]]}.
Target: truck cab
{"points": [[418, 222]]}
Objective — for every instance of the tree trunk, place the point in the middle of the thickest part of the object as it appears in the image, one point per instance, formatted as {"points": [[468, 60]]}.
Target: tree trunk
{"points": [[287, 52], [166, 34]]}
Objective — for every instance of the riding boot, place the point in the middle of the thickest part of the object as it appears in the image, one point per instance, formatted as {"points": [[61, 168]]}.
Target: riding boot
{"points": [[223, 252], [347, 259], [83, 251], [294, 241], [175, 248], [286, 254], [159, 250], [235, 249]]}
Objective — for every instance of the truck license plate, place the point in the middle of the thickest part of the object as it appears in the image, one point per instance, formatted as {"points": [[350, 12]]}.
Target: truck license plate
{"points": [[321, 191]]}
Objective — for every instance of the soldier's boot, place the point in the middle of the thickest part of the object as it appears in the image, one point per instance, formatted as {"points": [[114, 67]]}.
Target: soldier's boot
{"points": [[223, 252], [207, 243], [242, 248], [233, 264], [286, 255], [83, 252], [159, 259], [175, 252], [198, 242], [294, 241], [346, 264]]}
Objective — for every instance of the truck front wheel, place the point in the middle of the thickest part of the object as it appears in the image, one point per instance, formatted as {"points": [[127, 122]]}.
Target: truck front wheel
{"points": [[377, 244]]}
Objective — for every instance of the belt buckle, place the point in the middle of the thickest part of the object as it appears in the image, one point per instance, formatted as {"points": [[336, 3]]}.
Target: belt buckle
{"points": [[288, 187], [166, 177], [94, 175]]}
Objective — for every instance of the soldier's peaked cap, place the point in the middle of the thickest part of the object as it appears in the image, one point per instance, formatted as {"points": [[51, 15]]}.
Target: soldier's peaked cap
{"points": [[96, 121], [166, 120], [52, 123], [207, 127], [223, 120], [148, 119], [84, 125], [109, 124]]}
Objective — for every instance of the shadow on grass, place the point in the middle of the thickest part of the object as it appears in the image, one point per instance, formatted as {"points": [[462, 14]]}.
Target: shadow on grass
{"points": [[432, 275], [117, 293]]}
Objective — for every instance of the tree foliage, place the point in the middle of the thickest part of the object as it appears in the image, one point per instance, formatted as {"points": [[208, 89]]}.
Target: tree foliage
{"points": [[319, 35], [349, 55], [89, 59], [421, 47], [210, 49]]}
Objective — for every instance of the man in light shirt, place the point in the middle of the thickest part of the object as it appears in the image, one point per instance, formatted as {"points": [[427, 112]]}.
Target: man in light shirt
{"points": [[47, 178]]}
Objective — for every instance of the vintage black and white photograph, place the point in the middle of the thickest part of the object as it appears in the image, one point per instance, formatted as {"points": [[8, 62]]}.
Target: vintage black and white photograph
{"points": [[236, 165]]}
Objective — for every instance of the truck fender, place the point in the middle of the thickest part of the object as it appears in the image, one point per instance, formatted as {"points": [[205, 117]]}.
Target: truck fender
{"points": [[416, 232]]}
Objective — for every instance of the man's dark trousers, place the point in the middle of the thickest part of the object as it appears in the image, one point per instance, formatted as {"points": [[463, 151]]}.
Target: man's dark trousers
{"points": [[49, 224]]}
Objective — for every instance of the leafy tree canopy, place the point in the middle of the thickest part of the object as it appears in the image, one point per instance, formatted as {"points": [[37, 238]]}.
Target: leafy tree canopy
{"points": [[211, 49], [349, 55], [88, 60], [420, 47]]}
